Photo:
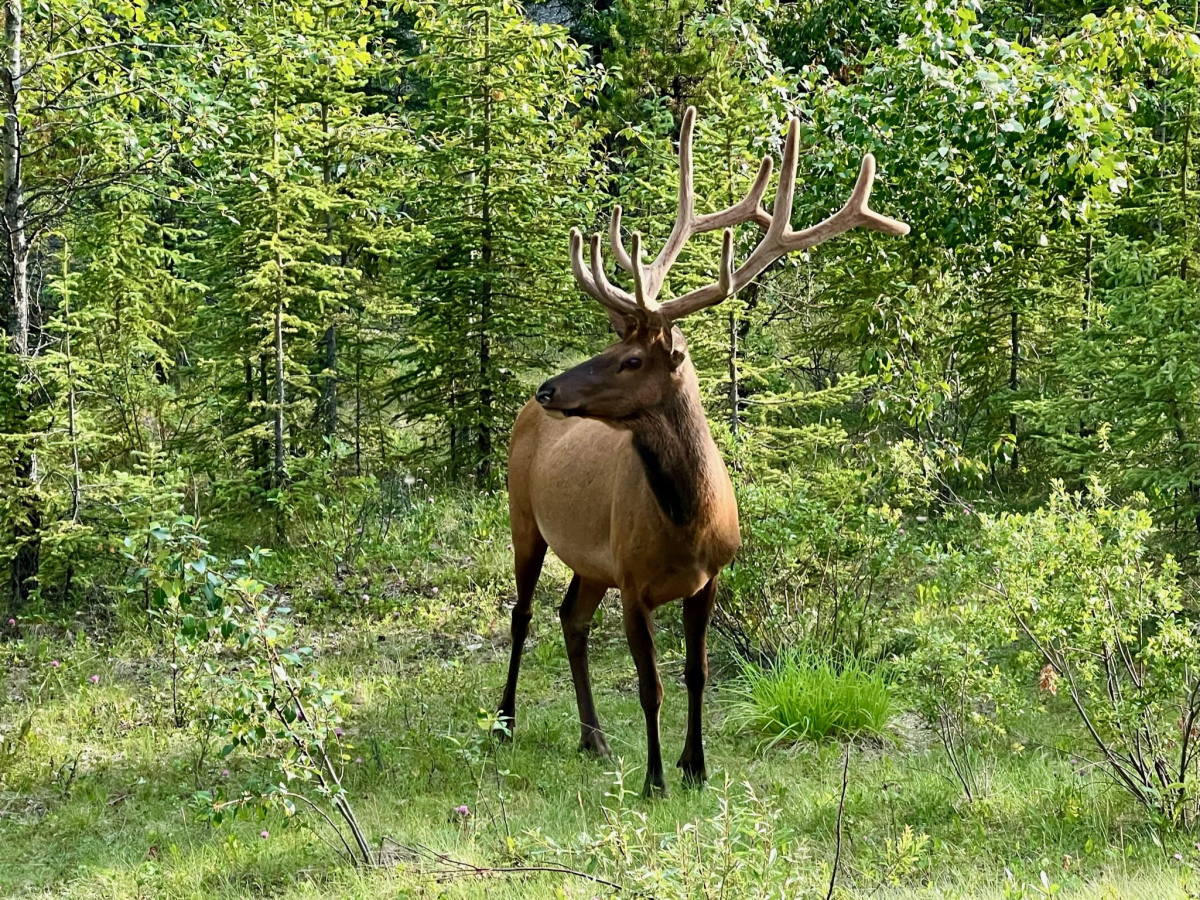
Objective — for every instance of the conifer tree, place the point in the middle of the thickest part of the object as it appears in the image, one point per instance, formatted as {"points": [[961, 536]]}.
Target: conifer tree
{"points": [[503, 171]]}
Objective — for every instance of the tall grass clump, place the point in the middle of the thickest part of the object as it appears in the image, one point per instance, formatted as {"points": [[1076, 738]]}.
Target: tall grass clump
{"points": [[804, 696]]}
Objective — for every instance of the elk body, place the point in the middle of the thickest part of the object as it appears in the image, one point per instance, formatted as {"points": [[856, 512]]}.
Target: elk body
{"points": [[613, 467]]}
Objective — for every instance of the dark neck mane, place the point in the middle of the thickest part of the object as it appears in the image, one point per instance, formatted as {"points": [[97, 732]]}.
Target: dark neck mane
{"points": [[672, 440]]}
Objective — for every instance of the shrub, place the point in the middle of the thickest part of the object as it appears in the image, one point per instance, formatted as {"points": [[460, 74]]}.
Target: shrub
{"points": [[825, 557], [246, 681], [1068, 599], [803, 696]]}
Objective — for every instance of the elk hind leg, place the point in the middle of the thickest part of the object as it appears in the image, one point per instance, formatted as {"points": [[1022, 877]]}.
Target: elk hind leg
{"points": [[529, 552], [576, 613]]}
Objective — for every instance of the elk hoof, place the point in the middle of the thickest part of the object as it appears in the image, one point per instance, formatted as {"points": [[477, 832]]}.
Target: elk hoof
{"points": [[595, 745], [694, 774], [654, 788]]}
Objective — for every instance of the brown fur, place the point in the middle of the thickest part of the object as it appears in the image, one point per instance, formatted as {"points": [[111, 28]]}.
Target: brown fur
{"points": [[579, 484]]}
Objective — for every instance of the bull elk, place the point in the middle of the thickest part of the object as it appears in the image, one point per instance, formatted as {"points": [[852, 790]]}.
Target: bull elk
{"points": [[612, 464]]}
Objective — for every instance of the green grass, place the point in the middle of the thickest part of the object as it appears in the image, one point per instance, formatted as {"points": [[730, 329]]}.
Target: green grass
{"points": [[96, 800], [806, 697]]}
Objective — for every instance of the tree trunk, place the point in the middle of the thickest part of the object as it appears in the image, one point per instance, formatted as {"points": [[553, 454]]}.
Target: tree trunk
{"points": [[1015, 353], [263, 395], [358, 376], [329, 389], [280, 388], [733, 374], [484, 469], [27, 528], [255, 444], [329, 392], [72, 429]]}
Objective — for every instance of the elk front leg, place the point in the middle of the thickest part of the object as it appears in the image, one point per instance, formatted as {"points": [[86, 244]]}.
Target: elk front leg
{"points": [[639, 631], [697, 611], [529, 551], [576, 613]]}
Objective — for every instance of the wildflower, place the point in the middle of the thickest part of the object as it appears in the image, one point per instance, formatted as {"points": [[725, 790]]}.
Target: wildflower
{"points": [[12, 623], [463, 810], [54, 663], [95, 679], [358, 759], [337, 732], [434, 591], [224, 773], [264, 834]]}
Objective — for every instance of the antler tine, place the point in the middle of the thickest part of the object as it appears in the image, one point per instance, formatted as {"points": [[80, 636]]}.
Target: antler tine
{"points": [[582, 276], [780, 239], [613, 297], [604, 293], [748, 209], [614, 240], [688, 224], [854, 213], [639, 276], [725, 273]]}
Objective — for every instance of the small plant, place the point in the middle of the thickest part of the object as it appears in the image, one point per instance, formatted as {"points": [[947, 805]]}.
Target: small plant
{"points": [[251, 684], [736, 848], [808, 697]]}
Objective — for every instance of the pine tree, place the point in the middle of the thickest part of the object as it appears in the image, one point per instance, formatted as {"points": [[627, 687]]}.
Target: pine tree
{"points": [[504, 169]]}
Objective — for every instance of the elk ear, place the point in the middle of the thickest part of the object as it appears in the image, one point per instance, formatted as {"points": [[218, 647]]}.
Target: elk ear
{"points": [[676, 346], [620, 323]]}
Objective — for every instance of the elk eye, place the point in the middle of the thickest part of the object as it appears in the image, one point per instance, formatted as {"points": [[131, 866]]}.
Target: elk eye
{"points": [[634, 362]]}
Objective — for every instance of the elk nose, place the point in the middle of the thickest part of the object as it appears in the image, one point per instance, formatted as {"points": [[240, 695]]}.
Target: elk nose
{"points": [[545, 393]]}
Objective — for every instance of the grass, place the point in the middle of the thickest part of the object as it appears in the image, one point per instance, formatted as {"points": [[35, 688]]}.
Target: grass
{"points": [[96, 799], [806, 697]]}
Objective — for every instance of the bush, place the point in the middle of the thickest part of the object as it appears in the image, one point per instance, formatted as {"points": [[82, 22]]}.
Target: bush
{"points": [[807, 697], [240, 677], [1069, 599], [825, 558]]}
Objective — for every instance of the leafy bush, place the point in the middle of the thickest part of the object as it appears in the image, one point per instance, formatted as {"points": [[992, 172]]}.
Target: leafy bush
{"points": [[1068, 598], [814, 569], [803, 696], [240, 677]]}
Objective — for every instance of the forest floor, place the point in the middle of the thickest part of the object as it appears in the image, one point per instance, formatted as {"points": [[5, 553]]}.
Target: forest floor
{"points": [[97, 801]]}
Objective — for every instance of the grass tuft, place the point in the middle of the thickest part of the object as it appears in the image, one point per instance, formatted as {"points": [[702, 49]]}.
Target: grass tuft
{"points": [[806, 697]]}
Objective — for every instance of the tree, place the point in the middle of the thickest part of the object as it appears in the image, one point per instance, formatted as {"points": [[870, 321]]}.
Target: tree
{"points": [[78, 82], [505, 166]]}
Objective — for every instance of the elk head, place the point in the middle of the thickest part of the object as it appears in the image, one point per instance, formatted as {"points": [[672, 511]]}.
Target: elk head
{"points": [[634, 374], [651, 359]]}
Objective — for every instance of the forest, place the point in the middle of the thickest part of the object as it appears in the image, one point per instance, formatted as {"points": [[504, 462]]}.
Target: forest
{"points": [[276, 279]]}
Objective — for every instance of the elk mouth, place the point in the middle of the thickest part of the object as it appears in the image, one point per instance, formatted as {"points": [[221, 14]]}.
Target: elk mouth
{"points": [[572, 413]]}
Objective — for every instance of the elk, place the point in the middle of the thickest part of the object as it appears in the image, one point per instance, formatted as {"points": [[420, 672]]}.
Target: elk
{"points": [[613, 467]]}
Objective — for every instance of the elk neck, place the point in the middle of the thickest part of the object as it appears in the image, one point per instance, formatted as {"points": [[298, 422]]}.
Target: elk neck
{"points": [[677, 452]]}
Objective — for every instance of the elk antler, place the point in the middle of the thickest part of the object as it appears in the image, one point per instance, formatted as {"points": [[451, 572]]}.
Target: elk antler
{"points": [[778, 241]]}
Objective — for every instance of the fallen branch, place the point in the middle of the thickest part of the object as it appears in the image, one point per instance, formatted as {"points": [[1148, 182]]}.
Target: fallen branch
{"points": [[837, 854], [463, 869]]}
